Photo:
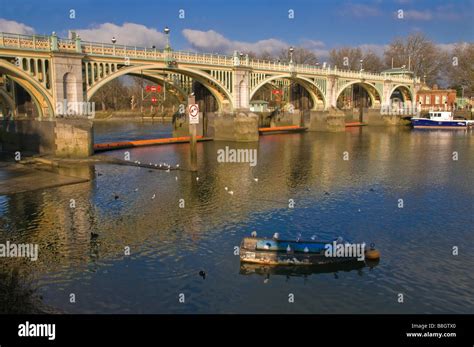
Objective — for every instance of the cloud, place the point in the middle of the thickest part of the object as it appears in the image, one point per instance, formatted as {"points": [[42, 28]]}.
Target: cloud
{"points": [[377, 49], [361, 10], [10, 26], [125, 34], [214, 42], [418, 15]]}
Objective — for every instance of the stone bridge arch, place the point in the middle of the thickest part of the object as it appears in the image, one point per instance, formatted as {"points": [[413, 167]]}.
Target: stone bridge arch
{"points": [[313, 89], [404, 90], [41, 97], [370, 88], [221, 94]]}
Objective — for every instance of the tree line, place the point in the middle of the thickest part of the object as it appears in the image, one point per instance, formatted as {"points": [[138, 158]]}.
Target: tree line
{"points": [[452, 68]]}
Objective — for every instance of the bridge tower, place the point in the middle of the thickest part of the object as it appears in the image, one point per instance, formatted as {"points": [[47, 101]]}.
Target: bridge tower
{"points": [[67, 73]]}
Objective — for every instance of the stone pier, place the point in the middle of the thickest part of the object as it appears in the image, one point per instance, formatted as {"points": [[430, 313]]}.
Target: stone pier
{"points": [[60, 137], [332, 120]]}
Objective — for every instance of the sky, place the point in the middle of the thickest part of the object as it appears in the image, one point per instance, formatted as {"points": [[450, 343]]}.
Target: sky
{"points": [[259, 25]]}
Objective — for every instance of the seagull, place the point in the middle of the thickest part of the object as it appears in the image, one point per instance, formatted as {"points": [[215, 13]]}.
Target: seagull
{"points": [[255, 179], [254, 234], [116, 197], [94, 235], [177, 165], [160, 165], [313, 237], [99, 174], [226, 188], [231, 192], [138, 163], [372, 189], [136, 189], [326, 193], [153, 196], [298, 237], [202, 274], [276, 236], [149, 164], [176, 177], [197, 178], [156, 165], [168, 170]]}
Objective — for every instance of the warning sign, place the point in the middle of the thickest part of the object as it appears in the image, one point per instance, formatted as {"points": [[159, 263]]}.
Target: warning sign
{"points": [[193, 112]]}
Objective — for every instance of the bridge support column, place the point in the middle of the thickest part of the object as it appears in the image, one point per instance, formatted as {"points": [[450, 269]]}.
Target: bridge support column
{"points": [[67, 78], [387, 87], [331, 91], [59, 138], [241, 88]]}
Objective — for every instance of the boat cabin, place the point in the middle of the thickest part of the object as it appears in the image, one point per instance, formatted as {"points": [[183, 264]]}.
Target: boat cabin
{"points": [[440, 115]]}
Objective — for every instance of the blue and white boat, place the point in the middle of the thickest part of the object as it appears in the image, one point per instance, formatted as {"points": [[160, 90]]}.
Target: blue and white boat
{"points": [[442, 120]]}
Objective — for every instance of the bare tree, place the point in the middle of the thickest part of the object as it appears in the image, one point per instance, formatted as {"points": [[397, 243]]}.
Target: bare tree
{"points": [[459, 68], [345, 58], [419, 53], [301, 55], [372, 62]]}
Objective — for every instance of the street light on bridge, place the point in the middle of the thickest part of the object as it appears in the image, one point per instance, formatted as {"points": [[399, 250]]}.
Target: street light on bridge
{"points": [[361, 62], [167, 32], [291, 55], [114, 40]]}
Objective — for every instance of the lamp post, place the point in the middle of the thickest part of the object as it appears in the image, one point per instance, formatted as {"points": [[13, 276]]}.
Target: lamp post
{"points": [[291, 54], [114, 40], [361, 62], [167, 33]]}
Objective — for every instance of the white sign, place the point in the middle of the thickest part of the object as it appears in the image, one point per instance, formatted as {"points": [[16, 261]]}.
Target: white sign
{"points": [[193, 112]]}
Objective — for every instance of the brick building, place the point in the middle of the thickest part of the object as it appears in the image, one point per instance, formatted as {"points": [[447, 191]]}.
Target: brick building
{"points": [[436, 99]]}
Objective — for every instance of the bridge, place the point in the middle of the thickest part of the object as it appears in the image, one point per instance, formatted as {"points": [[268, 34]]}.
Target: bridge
{"points": [[53, 69], [51, 72]]}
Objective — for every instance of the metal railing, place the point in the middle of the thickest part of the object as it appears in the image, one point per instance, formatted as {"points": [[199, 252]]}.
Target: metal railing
{"points": [[49, 43]]}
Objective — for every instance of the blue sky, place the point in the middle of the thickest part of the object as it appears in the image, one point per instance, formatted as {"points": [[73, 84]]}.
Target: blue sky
{"points": [[222, 26]]}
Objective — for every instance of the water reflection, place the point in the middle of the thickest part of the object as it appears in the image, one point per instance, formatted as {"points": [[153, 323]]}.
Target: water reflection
{"points": [[356, 199]]}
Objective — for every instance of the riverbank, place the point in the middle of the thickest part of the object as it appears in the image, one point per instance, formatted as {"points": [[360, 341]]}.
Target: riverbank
{"points": [[127, 116], [32, 175]]}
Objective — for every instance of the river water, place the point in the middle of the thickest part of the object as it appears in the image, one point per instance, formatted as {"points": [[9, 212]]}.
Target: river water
{"points": [[358, 199]]}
